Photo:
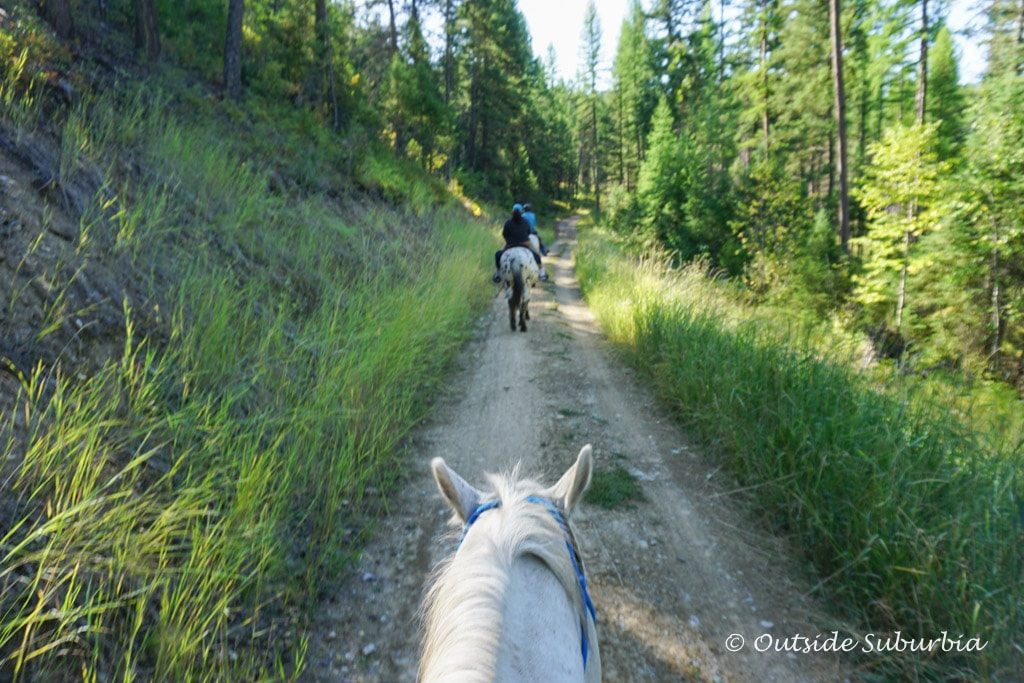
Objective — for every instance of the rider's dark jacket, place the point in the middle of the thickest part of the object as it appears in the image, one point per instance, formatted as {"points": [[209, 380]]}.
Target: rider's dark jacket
{"points": [[516, 231]]}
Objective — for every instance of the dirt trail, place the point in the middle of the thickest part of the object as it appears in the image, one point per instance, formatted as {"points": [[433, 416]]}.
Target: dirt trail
{"points": [[672, 577]]}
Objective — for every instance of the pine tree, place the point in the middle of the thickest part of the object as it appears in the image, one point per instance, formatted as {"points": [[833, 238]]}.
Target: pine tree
{"points": [[661, 184], [1006, 37], [995, 180], [804, 132], [761, 23], [635, 91], [946, 103], [921, 97], [591, 54], [413, 103], [495, 61]]}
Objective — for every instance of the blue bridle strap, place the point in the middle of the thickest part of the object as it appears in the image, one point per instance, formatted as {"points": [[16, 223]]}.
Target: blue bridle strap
{"points": [[479, 510], [577, 564]]}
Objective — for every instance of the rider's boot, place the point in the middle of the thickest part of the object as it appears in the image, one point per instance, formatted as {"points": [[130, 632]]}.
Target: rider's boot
{"points": [[496, 278], [543, 275]]}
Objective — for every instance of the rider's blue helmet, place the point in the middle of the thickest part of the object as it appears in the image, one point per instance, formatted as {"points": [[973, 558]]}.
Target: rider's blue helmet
{"points": [[517, 208]]}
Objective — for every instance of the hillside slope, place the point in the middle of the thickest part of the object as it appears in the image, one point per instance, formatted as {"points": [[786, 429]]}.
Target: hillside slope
{"points": [[217, 325]]}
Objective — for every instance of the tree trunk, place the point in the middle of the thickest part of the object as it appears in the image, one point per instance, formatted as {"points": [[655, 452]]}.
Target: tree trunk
{"points": [[327, 92], [233, 50], [901, 291], [1020, 38], [449, 50], [579, 170], [474, 115], [997, 321], [147, 36], [57, 13], [639, 144], [593, 154], [721, 40], [392, 27], [621, 143], [830, 163], [862, 125], [764, 83], [922, 65], [835, 12]]}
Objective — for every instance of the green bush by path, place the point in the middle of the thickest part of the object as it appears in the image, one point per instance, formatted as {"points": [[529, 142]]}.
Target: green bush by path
{"points": [[913, 521]]}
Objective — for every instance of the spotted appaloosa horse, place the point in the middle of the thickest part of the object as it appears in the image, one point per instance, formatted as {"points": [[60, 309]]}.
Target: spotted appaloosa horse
{"points": [[519, 273], [512, 603]]}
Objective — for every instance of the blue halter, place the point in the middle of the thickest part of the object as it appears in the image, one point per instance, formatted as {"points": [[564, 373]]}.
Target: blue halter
{"points": [[577, 565]]}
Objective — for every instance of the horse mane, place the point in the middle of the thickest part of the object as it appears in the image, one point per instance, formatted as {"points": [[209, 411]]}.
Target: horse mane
{"points": [[463, 610]]}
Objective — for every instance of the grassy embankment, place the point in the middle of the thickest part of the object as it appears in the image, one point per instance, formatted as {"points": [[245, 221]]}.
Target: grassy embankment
{"points": [[913, 520], [172, 515]]}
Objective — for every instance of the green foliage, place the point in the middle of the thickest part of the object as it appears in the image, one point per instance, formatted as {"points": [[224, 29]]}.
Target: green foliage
{"points": [[413, 102], [907, 512], [614, 488], [772, 222], [987, 247], [902, 193]]}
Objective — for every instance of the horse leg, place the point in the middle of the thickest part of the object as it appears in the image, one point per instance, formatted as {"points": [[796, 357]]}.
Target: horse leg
{"points": [[524, 314], [512, 315]]}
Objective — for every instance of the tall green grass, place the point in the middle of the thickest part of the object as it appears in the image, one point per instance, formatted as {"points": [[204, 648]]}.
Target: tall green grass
{"points": [[913, 521], [172, 515]]}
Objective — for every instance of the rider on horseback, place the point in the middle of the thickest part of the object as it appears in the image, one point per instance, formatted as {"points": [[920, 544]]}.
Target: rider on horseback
{"points": [[531, 218], [517, 234]]}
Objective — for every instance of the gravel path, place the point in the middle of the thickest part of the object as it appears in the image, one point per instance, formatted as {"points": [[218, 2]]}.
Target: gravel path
{"points": [[673, 576]]}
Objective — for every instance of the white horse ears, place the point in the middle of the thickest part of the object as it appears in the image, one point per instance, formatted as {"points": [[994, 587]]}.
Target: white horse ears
{"points": [[464, 498], [569, 489], [459, 493]]}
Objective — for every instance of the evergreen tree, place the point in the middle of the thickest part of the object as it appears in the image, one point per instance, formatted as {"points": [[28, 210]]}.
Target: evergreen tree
{"points": [[494, 57], [805, 128], [1006, 37], [946, 102], [414, 103], [590, 40], [994, 216], [662, 178], [761, 23], [635, 93]]}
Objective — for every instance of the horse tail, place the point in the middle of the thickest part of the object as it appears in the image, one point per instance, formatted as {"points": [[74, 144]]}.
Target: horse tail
{"points": [[517, 286]]}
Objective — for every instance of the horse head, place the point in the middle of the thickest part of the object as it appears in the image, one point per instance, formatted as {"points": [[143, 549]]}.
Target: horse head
{"points": [[512, 602]]}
